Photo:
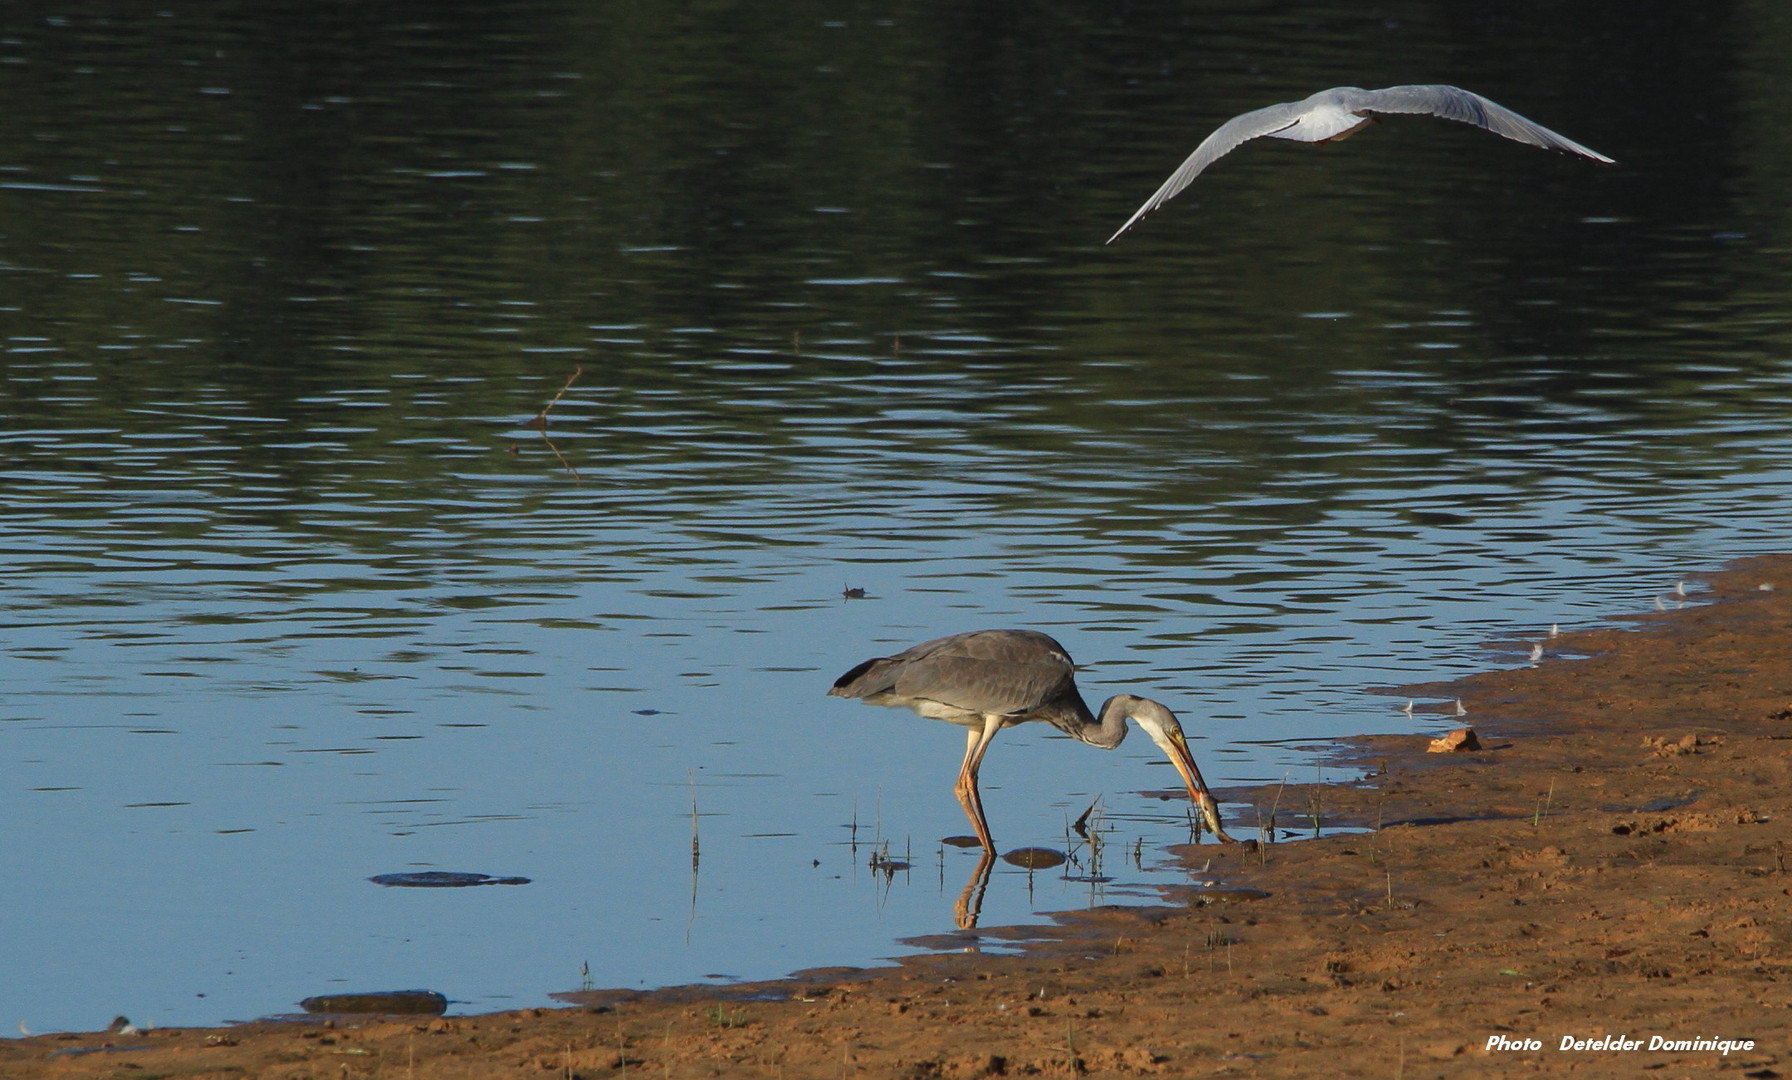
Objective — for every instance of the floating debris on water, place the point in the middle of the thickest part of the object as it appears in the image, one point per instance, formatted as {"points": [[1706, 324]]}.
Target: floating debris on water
{"points": [[442, 879], [383, 1001]]}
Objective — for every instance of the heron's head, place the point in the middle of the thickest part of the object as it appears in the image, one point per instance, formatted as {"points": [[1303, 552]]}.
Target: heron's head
{"points": [[1154, 720], [1160, 723]]}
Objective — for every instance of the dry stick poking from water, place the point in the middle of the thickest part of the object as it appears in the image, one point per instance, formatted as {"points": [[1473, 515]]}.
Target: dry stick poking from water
{"points": [[692, 777], [540, 423], [1082, 823], [1316, 800], [1276, 805], [691, 922]]}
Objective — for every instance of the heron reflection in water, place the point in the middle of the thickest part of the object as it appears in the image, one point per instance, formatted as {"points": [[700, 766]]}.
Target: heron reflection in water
{"points": [[1342, 111]]}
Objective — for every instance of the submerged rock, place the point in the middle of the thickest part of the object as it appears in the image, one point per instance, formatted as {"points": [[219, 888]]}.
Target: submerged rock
{"points": [[1034, 858]]}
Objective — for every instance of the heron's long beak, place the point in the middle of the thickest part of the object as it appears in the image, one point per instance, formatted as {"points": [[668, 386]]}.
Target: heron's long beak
{"points": [[1197, 788]]}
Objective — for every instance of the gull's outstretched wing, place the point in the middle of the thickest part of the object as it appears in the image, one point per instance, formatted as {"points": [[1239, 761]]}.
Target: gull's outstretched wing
{"points": [[1455, 103], [1226, 138]]}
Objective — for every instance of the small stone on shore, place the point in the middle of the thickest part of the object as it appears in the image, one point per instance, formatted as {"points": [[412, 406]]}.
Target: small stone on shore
{"points": [[1461, 740]]}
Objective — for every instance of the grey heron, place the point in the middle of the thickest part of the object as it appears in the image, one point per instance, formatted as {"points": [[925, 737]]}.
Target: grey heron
{"points": [[987, 680], [1340, 112]]}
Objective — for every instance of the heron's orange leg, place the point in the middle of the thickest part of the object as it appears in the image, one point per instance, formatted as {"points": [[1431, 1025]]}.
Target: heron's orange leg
{"points": [[966, 788]]}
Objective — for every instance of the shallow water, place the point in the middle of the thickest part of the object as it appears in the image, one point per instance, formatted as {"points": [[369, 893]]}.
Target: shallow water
{"points": [[292, 596]]}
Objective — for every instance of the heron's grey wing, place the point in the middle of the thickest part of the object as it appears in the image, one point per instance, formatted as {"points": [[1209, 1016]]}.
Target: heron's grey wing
{"points": [[989, 671], [979, 684], [1455, 103], [1225, 138], [880, 674]]}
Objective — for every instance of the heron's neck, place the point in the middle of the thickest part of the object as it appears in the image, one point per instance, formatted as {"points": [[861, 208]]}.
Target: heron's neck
{"points": [[1109, 728]]}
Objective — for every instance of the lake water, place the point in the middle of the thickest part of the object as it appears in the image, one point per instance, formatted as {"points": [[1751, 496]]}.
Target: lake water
{"points": [[292, 594]]}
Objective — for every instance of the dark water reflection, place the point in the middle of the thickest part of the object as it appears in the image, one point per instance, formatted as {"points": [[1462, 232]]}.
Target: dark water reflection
{"points": [[293, 596]]}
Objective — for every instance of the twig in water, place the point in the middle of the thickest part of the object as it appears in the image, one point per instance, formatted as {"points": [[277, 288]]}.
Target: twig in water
{"points": [[694, 850], [1316, 800], [1082, 823], [540, 423], [576, 478], [1274, 806]]}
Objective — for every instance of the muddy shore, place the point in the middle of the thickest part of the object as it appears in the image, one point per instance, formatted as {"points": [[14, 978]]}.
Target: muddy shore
{"points": [[1609, 866]]}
